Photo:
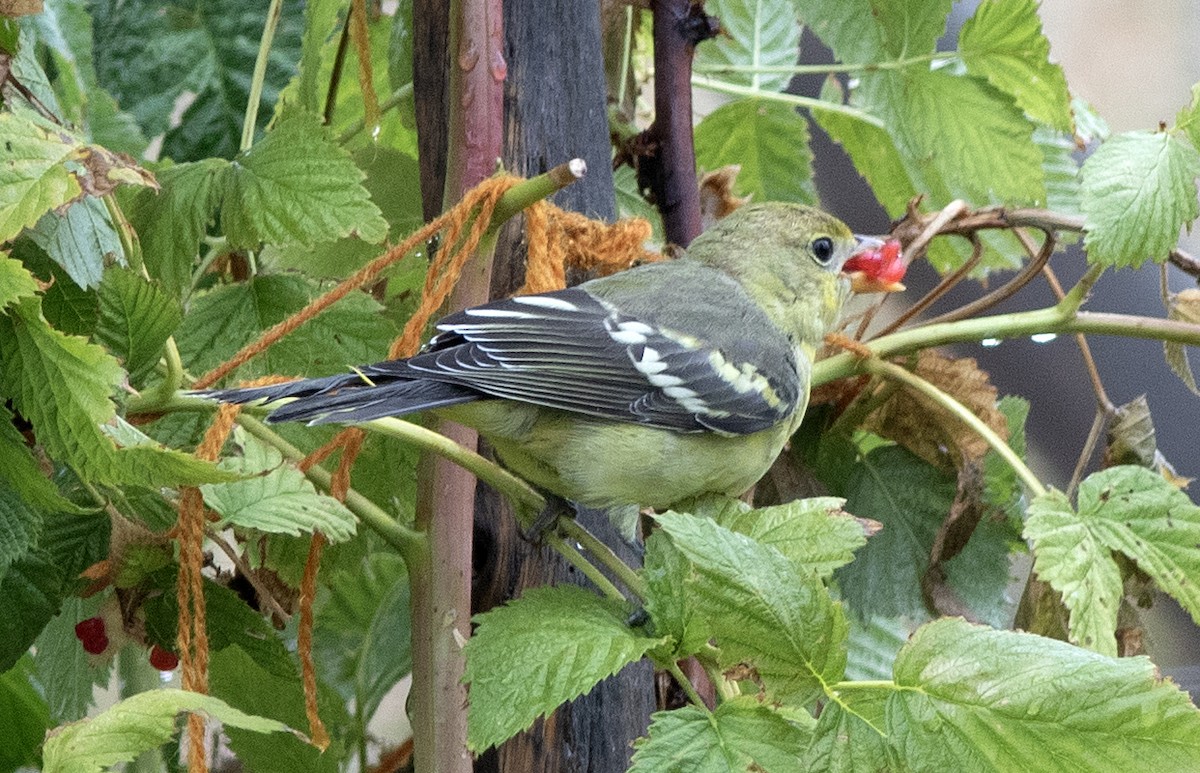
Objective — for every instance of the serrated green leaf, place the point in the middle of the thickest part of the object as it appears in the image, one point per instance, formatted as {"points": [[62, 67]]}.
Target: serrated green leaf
{"points": [[67, 674], [387, 172], [1069, 556], [911, 499], [362, 633], [23, 715], [1016, 701], [172, 221], [34, 178], [1002, 488], [757, 33], [862, 31], [873, 152], [1139, 190], [739, 733], [82, 240], [1183, 306], [539, 651], [850, 736], [149, 53], [761, 610], [297, 187], [1126, 509], [35, 586], [20, 526], [1061, 170], [136, 319], [274, 497], [221, 321], [768, 140], [873, 646], [21, 473], [230, 624], [969, 133], [667, 599], [240, 680], [62, 385], [30, 594], [1003, 42], [814, 533], [15, 281], [134, 725]]}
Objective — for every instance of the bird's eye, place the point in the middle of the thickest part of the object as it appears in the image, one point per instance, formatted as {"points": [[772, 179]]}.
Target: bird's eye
{"points": [[822, 250]]}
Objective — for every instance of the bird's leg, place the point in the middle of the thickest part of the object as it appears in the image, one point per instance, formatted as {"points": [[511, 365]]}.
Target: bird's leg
{"points": [[547, 519]]}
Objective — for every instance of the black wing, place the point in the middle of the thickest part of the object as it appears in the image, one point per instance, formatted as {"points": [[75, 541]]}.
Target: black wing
{"points": [[572, 351]]}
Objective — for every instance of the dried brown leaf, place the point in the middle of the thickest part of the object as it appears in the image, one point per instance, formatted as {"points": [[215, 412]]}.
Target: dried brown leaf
{"points": [[1182, 307], [717, 198], [930, 431]]}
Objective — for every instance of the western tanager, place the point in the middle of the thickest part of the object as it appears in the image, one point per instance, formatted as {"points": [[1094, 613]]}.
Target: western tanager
{"points": [[663, 382]]}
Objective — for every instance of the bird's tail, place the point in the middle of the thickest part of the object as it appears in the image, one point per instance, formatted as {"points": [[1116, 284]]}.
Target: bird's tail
{"points": [[348, 398]]}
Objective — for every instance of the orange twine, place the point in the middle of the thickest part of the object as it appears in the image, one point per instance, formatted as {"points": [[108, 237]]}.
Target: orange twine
{"points": [[556, 239]]}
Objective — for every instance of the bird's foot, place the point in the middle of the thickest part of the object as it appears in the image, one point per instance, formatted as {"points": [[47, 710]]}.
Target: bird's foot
{"points": [[547, 520], [857, 348]]}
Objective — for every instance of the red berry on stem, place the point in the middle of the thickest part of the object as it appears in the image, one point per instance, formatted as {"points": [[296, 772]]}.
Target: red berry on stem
{"points": [[91, 634], [163, 660]]}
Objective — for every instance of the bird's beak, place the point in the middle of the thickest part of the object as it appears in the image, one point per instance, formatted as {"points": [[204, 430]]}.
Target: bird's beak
{"points": [[876, 266]]}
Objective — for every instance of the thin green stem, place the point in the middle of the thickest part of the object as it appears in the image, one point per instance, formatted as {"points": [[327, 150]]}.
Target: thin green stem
{"points": [[260, 73], [626, 56], [738, 90], [1074, 299], [576, 531], [920, 385], [822, 69], [393, 99], [516, 489], [406, 541], [130, 244], [685, 684], [172, 379], [589, 570], [707, 658]]}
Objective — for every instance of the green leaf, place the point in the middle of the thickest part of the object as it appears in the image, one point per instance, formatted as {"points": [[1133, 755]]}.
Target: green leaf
{"points": [[873, 646], [23, 715], [756, 33], [149, 53], [1139, 189], [136, 319], [1070, 556], [297, 187], [861, 31], [221, 321], [320, 22], [1003, 42], [1061, 170], [240, 680], [274, 497], [62, 385], [171, 222], [134, 725], [400, 46], [761, 609], [15, 281], [34, 178], [363, 633], [20, 526], [814, 533], [1130, 510], [1017, 701], [850, 736], [33, 590], [768, 140], [82, 240], [667, 600], [539, 651], [21, 473], [872, 150], [963, 129], [740, 733], [1002, 488], [67, 674]]}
